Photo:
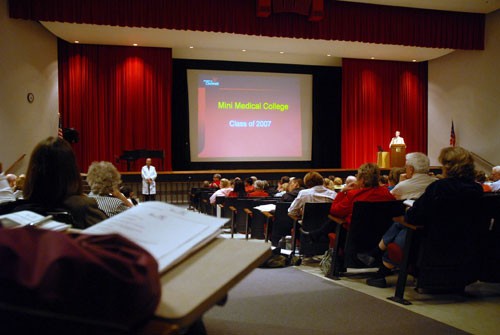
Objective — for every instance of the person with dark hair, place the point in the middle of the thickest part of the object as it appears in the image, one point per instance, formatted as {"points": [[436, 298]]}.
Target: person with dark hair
{"points": [[249, 188], [53, 181], [294, 187], [129, 194], [238, 189], [457, 186]]}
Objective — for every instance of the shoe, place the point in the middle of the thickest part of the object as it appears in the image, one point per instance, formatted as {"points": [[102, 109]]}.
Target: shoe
{"points": [[379, 282], [366, 259]]}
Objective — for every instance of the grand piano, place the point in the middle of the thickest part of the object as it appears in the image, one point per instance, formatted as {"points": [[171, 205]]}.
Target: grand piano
{"points": [[133, 155]]}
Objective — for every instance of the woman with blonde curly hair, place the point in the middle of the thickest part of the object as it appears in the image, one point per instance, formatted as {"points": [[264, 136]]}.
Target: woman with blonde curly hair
{"points": [[104, 181]]}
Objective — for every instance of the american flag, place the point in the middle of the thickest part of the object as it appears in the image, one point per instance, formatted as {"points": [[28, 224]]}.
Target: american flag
{"points": [[453, 139], [60, 129]]}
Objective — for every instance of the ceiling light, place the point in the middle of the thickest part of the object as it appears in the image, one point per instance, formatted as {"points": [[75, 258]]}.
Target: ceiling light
{"points": [[244, 50], [77, 42], [372, 57], [135, 44], [282, 52], [191, 47], [414, 60], [328, 55]]}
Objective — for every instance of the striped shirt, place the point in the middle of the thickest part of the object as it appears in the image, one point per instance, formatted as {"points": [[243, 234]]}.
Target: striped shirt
{"points": [[108, 204]]}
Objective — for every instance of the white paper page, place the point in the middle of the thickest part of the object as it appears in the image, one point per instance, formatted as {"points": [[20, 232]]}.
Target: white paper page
{"points": [[266, 207], [168, 232], [24, 218]]}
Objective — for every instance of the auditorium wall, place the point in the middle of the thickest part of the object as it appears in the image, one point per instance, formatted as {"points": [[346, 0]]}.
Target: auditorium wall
{"points": [[464, 86], [28, 64]]}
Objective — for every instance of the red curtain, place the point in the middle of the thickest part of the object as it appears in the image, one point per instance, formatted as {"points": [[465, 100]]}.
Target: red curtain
{"points": [[378, 98], [344, 21], [117, 98]]}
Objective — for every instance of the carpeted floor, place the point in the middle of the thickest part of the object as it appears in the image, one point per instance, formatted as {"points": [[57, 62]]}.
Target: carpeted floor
{"points": [[289, 301]]}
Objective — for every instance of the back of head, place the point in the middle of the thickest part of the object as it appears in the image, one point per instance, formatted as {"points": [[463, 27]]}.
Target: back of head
{"points": [[259, 184], [312, 179], [224, 183], [239, 187], [370, 173], [457, 163], [53, 174], [103, 178], [419, 161]]}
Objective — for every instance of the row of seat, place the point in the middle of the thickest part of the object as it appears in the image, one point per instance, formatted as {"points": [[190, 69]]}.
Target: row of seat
{"points": [[459, 247]]}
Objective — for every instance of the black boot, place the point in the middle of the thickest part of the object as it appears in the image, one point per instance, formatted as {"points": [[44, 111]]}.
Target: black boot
{"points": [[379, 279]]}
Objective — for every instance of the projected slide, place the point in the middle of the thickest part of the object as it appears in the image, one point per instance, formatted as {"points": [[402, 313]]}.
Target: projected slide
{"points": [[249, 116]]}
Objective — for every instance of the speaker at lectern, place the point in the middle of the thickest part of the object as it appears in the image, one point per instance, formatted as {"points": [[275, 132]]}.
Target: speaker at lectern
{"points": [[398, 155]]}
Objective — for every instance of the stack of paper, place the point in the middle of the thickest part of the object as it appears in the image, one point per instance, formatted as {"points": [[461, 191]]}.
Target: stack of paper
{"points": [[168, 232], [29, 218]]}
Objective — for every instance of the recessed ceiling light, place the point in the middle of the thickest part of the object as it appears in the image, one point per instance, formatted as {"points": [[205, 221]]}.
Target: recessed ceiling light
{"points": [[135, 44], [372, 57], [191, 47], [77, 42], [414, 60], [244, 50], [282, 52], [328, 55]]}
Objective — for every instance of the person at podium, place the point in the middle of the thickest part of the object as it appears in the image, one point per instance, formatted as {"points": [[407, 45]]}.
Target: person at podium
{"points": [[397, 139]]}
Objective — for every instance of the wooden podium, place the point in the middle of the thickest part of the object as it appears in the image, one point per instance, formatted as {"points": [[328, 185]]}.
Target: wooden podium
{"points": [[398, 155], [383, 159]]}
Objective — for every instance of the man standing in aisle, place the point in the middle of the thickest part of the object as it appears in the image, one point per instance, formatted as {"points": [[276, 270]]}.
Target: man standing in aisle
{"points": [[148, 174]]}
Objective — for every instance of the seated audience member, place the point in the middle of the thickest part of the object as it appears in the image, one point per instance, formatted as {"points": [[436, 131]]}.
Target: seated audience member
{"points": [[315, 192], [366, 188], [259, 189], [394, 175], [249, 187], [350, 180], [6, 193], [104, 179], [495, 178], [281, 190], [205, 184], [238, 189], [215, 181], [481, 180], [328, 184], [53, 181], [417, 179], [458, 185], [18, 189], [11, 179], [294, 187], [129, 194], [223, 191], [338, 184], [384, 180]]}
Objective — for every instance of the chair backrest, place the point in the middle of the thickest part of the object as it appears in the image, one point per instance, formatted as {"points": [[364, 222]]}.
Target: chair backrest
{"points": [[370, 220], [258, 220], [449, 249], [314, 216], [490, 238], [281, 224]]}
